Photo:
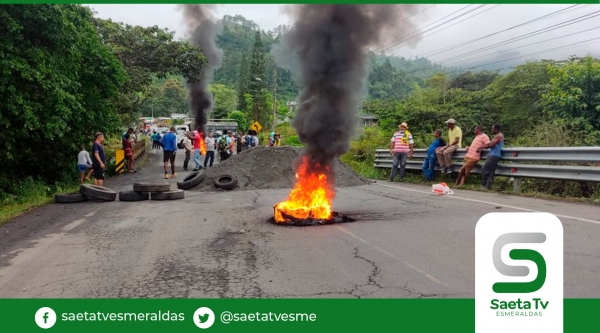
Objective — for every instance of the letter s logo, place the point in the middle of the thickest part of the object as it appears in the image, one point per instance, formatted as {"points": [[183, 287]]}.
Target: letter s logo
{"points": [[519, 254]]}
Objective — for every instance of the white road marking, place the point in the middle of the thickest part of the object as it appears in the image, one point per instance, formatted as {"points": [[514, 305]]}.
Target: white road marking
{"points": [[429, 276], [494, 204], [90, 214]]}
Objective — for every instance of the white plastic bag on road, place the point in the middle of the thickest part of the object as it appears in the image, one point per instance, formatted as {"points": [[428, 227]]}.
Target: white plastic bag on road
{"points": [[441, 189]]}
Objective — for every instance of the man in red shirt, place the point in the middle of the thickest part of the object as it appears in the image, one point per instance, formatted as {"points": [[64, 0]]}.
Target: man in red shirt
{"points": [[128, 152]]}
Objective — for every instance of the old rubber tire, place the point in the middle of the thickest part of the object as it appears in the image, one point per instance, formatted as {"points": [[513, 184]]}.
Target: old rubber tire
{"points": [[190, 181], [133, 196], [151, 187], [226, 182], [69, 197], [98, 192], [170, 195]]}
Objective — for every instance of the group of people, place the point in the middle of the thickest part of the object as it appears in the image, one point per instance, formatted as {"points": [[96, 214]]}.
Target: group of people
{"points": [[441, 151], [95, 165]]}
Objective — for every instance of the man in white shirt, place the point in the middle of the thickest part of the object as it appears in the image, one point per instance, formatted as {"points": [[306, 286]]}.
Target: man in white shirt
{"points": [[187, 145], [210, 150]]}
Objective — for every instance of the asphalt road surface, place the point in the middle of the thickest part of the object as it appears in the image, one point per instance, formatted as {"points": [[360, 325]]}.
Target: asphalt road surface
{"points": [[405, 243]]}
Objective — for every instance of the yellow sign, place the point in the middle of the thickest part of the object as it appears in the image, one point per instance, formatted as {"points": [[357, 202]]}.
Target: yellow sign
{"points": [[256, 126]]}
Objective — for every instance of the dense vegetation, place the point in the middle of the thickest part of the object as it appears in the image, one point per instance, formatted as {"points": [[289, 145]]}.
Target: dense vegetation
{"points": [[67, 74]]}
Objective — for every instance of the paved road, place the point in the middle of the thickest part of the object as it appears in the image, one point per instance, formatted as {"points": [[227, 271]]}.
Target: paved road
{"points": [[406, 243]]}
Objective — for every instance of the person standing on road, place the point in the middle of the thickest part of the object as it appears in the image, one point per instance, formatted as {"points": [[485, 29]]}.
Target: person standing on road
{"points": [[401, 148], [154, 142], [128, 153], [239, 142], [169, 143], [444, 154], [495, 154], [230, 143], [187, 145], [473, 155], [84, 162], [210, 150], [99, 160], [197, 154], [429, 162]]}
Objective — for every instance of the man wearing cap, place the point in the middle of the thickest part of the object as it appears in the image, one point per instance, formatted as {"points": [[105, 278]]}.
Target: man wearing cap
{"points": [[444, 154], [401, 148]]}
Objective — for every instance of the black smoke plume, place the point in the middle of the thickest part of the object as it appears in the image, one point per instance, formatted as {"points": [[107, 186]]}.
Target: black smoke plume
{"points": [[204, 30], [331, 43]]}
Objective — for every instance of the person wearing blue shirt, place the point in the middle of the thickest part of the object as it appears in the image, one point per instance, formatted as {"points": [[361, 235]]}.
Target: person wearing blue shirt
{"points": [[169, 143], [494, 155], [429, 162]]}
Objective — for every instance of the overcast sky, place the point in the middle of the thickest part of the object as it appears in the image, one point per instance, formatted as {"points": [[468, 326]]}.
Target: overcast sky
{"points": [[477, 21]]}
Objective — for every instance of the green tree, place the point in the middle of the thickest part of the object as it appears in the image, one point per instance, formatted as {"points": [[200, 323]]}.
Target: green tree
{"points": [[147, 52], [257, 83], [240, 118], [57, 87], [573, 95], [242, 84], [225, 100]]}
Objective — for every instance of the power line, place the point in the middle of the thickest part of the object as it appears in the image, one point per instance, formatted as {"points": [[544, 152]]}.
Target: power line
{"points": [[536, 53], [527, 35], [520, 47], [422, 10], [543, 17], [434, 22], [470, 17], [512, 40]]}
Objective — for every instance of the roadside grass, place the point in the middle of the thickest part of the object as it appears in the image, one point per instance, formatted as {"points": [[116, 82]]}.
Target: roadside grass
{"points": [[29, 195]]}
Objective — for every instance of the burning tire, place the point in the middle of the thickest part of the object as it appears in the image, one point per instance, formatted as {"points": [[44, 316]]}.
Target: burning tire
{"points": [[69, 197], [98, 192], [133, 196], [151, 187], [190, 181], [169, 195], [226, 182]]}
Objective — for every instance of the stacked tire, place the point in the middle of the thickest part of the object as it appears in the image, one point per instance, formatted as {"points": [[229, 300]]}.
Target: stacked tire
{"points": [[153, 191], [87, 192]]}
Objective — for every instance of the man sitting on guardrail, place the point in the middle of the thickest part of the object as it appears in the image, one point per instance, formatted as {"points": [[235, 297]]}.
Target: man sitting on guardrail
{"points": [[429, 162], [491, 162], [401, 148], [473, 155], [444, 154]]}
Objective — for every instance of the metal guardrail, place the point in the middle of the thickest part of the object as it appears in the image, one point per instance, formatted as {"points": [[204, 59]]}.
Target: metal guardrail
{"points": [[521, 162], [138, 149]]}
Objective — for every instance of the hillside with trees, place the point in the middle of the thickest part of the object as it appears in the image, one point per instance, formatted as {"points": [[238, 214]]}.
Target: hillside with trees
{"points": [[67, 74]]}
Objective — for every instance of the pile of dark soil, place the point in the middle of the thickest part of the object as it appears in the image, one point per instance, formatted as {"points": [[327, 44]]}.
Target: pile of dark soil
{"points": [[270, 168]]}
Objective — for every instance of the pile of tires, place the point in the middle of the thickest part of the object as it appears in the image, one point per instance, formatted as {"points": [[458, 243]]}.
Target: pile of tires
{"points": [[87, 192], [151, 191]]}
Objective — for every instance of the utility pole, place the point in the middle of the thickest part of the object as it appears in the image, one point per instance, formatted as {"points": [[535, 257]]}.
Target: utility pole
{"points": [[274, 97]]}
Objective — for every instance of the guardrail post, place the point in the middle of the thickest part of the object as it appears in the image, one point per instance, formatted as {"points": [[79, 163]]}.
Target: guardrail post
{"points": [[120, 161], [517, 185]]}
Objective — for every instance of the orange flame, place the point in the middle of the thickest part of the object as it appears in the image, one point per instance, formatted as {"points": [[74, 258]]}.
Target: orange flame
{"points": [[202, 144], [311, 197]]}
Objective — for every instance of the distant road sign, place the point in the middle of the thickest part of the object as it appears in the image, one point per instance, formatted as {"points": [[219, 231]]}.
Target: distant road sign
{"points": [[256, 126]]}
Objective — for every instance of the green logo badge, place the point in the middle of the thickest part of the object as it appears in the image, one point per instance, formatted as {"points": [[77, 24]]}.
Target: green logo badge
{"points": [[519, 254]]}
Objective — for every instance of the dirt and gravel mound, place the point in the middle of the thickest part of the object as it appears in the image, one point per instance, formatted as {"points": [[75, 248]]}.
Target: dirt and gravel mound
{"points": [[270, 168]]}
